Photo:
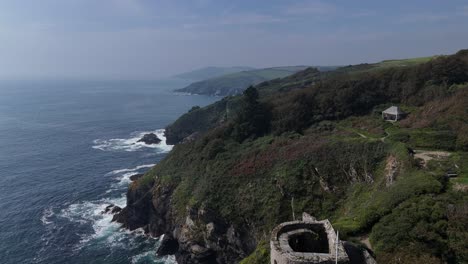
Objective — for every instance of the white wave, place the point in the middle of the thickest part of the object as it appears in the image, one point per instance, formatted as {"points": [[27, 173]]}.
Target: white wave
{"points": [[124, 175], [108, 233], [125, 179], [46, 215], [132, 144], [91, 212], [132, 169], [150, 255], [183, 93]]}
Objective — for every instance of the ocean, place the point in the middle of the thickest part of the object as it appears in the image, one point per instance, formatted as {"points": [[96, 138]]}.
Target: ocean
{"points": [[67, 150]]}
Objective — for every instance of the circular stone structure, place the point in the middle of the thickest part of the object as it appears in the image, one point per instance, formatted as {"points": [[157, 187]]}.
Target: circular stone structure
{"points": [[306, 241]]}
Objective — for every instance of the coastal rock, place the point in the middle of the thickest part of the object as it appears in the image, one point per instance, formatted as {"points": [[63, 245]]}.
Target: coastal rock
{"points": [[112, 209], [150, 139], [136, 177], [148, 207], [200, 236], [139, 208], [204, 237], [169, 246]]}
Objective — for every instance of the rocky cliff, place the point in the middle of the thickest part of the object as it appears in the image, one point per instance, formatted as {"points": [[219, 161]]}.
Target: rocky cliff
{"points": [[200, 237]]}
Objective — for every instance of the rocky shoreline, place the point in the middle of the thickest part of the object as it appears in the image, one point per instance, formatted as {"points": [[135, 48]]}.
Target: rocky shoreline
{"points": [[201, 237]]}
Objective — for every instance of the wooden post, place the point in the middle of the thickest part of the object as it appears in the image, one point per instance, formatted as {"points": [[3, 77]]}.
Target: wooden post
{"points": [[292, 208], [336, 246]]}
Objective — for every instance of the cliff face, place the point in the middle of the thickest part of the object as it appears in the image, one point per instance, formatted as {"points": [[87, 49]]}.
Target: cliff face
{"points": [[200, 237]]}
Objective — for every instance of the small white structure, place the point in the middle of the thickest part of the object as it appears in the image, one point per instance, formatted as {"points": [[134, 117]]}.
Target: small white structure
{"points": [[393, 113]]}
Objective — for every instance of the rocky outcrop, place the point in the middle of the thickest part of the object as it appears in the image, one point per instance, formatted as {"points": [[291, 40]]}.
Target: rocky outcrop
{"points": [[169, 246], [199, 237], [112, 209], [206, 238], [358, 254], [150, 139], [136, 176], [391, 170], [191, 137], [139, 212]]}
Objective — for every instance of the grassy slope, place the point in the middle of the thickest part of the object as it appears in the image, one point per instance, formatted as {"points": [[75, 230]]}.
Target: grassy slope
{"points": [[335, 166], [404, 62]]}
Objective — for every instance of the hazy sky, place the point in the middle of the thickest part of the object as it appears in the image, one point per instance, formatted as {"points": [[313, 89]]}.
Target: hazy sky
{"points": [[135, 39]]}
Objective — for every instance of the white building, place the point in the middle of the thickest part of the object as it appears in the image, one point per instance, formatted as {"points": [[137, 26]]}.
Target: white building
{"points": [[393, 113]]}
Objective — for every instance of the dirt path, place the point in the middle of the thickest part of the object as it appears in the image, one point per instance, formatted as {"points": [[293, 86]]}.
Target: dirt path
{"points": [[362, 135], [430, 155], [384, 137]]}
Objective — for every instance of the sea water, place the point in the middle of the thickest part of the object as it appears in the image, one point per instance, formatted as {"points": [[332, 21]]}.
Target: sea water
{"points": [[67, 150]]}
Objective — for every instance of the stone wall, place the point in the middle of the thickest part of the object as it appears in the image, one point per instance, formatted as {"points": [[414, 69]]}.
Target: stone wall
{"points": [[283, 237]]}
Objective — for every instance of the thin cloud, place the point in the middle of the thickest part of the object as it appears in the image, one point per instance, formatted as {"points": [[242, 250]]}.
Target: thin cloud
{"points": [[128, 7], [310, 8], [251, 18], [423, 18], [364, 13]]}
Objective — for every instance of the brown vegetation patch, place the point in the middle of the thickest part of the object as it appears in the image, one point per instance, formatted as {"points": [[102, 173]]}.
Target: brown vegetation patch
{"points": [[281, 150], [444, 110]]}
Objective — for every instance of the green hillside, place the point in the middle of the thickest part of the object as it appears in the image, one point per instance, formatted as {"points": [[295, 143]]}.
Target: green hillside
{"points": [[235, 83], [405, 62], [317, 140], [210, 72], [370, 67]]}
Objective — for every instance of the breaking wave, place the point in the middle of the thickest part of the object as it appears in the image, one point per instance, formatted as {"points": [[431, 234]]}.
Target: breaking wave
{"points": [[123, 178], [46, 215], [132, 144], [101, 231]]}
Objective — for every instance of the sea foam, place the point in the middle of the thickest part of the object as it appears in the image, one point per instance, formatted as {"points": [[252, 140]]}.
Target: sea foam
{"points": [[104, 231], [123, 176], [132, 144], [132, 169], [46, 215]]}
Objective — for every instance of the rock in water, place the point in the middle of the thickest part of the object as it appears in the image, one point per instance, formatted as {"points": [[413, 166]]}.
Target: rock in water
{"points": [[150, 138], [169, 246], [111, 209]]}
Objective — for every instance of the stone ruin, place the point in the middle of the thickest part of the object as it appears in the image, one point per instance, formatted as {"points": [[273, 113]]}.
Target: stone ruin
{"points": [[306, 242]]}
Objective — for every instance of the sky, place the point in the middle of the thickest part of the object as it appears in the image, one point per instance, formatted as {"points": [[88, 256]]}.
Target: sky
{"points": [[151, 39]]}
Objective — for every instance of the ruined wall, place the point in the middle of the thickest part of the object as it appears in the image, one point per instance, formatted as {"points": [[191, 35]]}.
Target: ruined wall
{"points": [[291, 233]]}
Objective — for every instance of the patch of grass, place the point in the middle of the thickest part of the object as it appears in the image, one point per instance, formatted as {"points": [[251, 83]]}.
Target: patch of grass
{"points": [[261, 255], [459, 162], [145, 181], [366, 205], [423, 138]]}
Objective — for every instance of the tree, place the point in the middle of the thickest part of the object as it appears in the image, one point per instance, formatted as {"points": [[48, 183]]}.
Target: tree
{"points": [[252, 120]]}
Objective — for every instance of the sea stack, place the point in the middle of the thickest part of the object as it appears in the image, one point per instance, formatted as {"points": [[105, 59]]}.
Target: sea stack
{"points": [[150, 139]]}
